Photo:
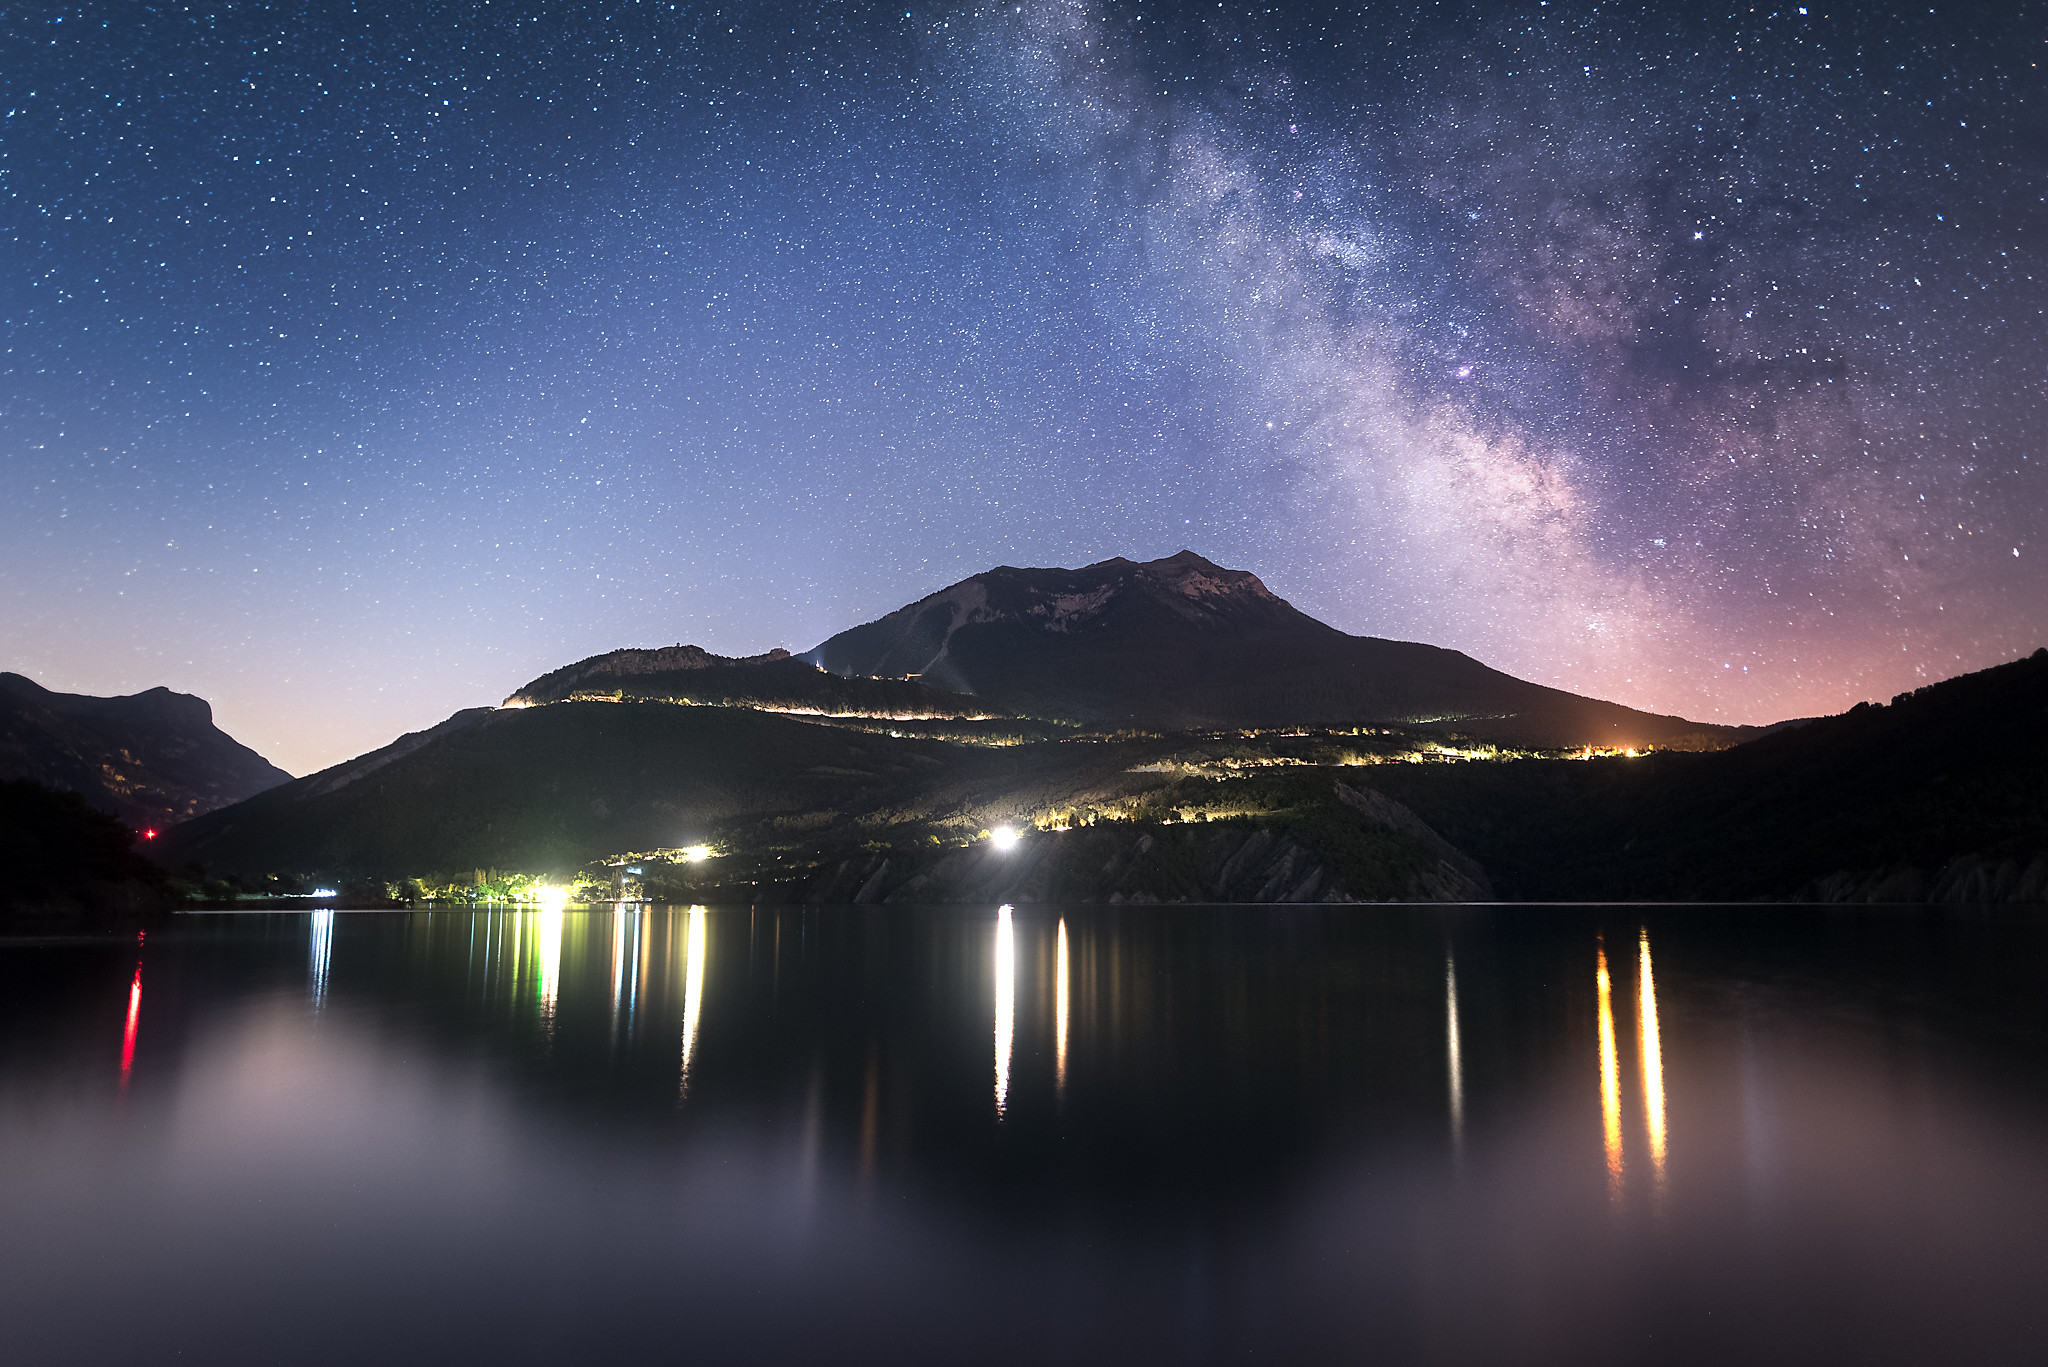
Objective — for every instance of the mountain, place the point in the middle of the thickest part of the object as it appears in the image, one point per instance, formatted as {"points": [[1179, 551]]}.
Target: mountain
{"points": [[1941, 795], [1213, 741], [1183, 644], [152, 759]]}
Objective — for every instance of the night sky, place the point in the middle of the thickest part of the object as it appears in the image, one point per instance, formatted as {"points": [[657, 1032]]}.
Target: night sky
{"points": [[361, 362]]}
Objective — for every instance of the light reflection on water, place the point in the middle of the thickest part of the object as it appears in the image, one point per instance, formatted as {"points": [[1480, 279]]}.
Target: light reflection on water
{"points": [[1610, 1078], [1454, 1055], [1292, 1135], [1006, 1004], [693, 994], [1063, 998], [1652, 1054], [318, 953]]}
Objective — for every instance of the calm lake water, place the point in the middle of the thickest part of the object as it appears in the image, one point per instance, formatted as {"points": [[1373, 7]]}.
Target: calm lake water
{"points": [[1041, 1135]]}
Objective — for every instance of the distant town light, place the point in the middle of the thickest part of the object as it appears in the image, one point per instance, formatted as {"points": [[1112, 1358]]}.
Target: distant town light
{"points": [[326, 892], [1004, 838], [697, 854]]}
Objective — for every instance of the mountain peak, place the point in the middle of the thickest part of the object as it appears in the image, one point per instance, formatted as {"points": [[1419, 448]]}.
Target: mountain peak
{"points": [[1114, 597]]}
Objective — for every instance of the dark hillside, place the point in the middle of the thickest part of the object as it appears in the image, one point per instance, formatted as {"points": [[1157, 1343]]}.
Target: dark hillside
{"points": [[65, 865], [553, 787], [1942, 794]]}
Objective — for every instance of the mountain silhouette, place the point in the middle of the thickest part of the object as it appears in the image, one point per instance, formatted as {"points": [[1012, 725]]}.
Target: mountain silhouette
{"points": [[150, 758]]}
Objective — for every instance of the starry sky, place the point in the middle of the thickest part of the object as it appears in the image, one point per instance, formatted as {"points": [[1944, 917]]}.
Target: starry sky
{"points": [[359, 362]]}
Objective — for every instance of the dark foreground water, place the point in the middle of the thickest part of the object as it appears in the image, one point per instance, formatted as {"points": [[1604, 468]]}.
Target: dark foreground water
{"points": [[971, 1135]]}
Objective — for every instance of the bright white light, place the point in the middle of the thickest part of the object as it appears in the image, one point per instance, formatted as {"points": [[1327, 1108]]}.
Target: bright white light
{"points": [[697, 854], [551, 898], [325, 892], [1003, 838]]}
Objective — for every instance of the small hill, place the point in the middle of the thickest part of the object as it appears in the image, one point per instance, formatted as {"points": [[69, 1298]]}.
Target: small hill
{"points": [[1183, 644], [152, 759]]}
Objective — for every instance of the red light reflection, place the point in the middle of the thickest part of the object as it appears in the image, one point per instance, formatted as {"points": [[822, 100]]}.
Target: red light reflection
{"points": [[134, 1017]]}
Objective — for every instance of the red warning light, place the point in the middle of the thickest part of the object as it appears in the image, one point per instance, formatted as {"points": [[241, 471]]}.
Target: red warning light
{"points": [[149, 835]]}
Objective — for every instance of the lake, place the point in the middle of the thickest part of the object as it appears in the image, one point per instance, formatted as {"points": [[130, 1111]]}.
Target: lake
{"points": [[1041, 1134]]}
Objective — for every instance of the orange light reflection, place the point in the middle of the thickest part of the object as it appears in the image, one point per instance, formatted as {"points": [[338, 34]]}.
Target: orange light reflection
{"points": [[1653, 1062], [1610, 1079]]}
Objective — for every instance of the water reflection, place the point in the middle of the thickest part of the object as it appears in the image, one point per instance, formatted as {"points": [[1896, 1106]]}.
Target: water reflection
{"points": [[693, 994], [1610, 1076], [134, 1020], [1653, 1063], [1061, 1003], [1006, 1005], [547, 957], [1250, 1162], [622, 918], [319, 952], [1454, 1051]]}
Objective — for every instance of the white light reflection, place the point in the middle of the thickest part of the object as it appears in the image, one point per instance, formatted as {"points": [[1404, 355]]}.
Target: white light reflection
{"points": [[321, 950], [693, 995], [1006, 1005], [1454, 1051], [1061, 999], [619, 915]]}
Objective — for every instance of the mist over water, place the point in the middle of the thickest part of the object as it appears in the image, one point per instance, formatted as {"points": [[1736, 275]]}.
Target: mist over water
{"points": [[1029, 1134]]}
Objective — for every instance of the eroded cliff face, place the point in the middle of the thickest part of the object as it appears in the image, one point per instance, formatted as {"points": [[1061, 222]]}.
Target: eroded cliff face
{"points": [[1970, 879]]}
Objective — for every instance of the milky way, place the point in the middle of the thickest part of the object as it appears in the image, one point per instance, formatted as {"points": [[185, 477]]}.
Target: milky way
{"points": [[363, 362]]}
